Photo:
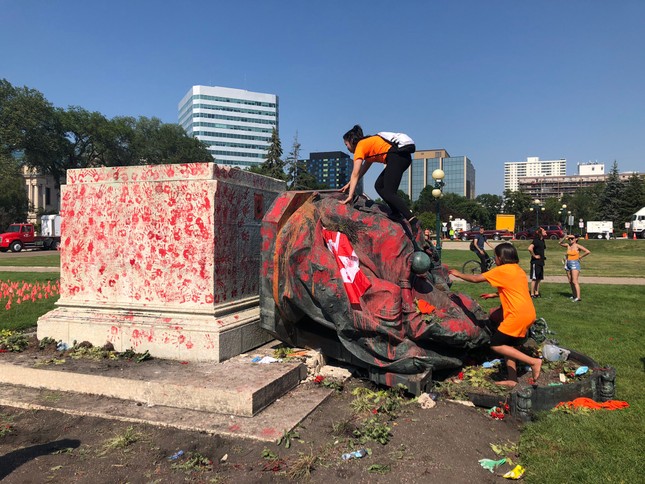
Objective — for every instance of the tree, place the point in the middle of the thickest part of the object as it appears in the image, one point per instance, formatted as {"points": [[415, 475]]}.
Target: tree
{"points": [[298, 176], [611, 203], [14, 203], [29, 125], [634, 196], [273, 166]]}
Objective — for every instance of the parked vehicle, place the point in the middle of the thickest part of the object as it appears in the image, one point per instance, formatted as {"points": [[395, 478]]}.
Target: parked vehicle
{"points": [[505, 222], [23, 236], [489, 234], [637, 224], [553, 232], [600, 230], [459, 224]]}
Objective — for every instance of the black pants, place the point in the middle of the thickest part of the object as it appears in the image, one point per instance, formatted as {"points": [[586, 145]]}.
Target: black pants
{"points": [[387, 183], [483, 260]]}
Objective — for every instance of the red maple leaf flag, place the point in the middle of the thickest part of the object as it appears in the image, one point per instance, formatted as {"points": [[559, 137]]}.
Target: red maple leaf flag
{"points": [[356, 283]]}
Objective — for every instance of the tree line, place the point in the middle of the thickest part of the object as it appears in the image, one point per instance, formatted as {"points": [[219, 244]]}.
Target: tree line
{"points": [[612, 200], [51, 140]]}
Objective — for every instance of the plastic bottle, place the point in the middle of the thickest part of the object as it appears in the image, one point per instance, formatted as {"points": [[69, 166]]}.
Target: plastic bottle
{"points": [[357, 454]]}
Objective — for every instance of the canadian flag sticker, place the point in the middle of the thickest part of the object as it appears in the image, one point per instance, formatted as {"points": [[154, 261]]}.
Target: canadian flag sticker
{"points": [[356, 283]]}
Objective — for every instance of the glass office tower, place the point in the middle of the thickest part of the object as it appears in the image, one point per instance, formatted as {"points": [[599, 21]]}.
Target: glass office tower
{"points": [[235, 124], [459, 170]]}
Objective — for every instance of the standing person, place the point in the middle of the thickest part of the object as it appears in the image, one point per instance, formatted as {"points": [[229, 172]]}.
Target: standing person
{"points": [[536, 249], [451, 233], [572, 264], [397, 157], [477, 246], [517, 307]]}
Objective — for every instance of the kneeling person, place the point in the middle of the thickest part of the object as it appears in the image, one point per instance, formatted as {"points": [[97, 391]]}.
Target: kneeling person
{"points": [[517, 307]]}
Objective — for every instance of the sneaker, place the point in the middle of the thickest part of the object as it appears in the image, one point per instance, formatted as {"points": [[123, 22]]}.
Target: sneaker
{"points": [[576, 299]]}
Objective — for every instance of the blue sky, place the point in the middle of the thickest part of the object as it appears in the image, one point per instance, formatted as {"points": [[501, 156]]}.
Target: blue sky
{"points": [[495, 80]]}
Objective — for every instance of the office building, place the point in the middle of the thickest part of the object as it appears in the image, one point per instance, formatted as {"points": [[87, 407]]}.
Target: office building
{"points": [[532, 167], [556, 186], [332, 168], [235, 124], [459, 170]]}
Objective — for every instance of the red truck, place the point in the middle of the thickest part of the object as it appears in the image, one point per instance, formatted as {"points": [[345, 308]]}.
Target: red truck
{"points": [[23, 236], [489, 234]]}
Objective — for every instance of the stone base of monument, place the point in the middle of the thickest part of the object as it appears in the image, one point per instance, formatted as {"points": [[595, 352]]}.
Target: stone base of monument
{"points": [[165, 334], [526, 401]]}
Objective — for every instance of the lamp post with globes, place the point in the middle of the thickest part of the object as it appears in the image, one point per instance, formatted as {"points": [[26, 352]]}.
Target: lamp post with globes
{"points": [[563, 210], [538, 208], [438, 176]]}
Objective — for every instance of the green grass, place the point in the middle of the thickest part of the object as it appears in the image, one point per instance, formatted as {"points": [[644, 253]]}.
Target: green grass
{"points": [[34, 259], [604, 446], [608, 258], [25, 314]]}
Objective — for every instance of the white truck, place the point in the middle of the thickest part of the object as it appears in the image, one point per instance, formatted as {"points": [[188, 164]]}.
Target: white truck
{"points": [[600, 230], [637, 224], [459, 224]]}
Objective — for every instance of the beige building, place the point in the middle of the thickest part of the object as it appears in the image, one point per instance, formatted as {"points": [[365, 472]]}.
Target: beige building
{"points": [[544, 187], [43, 194]]}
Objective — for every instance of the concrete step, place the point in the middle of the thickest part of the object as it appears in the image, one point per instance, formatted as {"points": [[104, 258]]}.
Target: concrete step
{"points": [[235, 387]]}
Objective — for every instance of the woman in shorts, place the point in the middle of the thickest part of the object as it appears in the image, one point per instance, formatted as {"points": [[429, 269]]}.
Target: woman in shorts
{"points": [[575, 252]]}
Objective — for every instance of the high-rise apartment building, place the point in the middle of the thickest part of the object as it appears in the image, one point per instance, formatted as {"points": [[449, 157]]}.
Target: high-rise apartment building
{"points": [[459, 174], [332, 168], [532, 167], [235, 124]]}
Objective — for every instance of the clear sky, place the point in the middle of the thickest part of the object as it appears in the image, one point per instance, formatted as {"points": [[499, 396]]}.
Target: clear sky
{"points": [[495, 80]]}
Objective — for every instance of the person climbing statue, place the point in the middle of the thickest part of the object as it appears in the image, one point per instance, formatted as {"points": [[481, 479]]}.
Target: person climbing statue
{"points": [[394, 150]]}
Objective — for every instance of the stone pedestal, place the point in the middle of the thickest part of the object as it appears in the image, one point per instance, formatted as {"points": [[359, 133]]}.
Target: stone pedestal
{"points": [[162, 258]]}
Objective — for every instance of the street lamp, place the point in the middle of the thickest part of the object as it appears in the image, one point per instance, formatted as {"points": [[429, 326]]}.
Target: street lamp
{"points": [[563, 210], [569, 217], [536, 206], [438, 175]]}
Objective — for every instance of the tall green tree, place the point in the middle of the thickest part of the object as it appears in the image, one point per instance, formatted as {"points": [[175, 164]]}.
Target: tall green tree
{"points": [[29, 125], [299, 177], [14, 203], [612, 205], [634, 196], [273, 166]]}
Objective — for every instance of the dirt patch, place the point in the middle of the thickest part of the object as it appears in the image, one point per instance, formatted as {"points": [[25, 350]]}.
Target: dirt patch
{"points": [[405, 442], [441, 444]]}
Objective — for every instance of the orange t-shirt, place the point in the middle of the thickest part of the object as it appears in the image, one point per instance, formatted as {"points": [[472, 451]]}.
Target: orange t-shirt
{"points": [[519, 312], [372, 148]]}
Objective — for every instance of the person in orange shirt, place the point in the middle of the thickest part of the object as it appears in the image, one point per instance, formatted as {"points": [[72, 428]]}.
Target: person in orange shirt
{"points": [[375, 149], [517, 307]]}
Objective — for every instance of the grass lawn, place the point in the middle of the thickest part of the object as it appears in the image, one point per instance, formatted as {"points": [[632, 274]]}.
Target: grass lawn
{"points": [[24, 314], [603, 446], [30, 259], [611, 258]]}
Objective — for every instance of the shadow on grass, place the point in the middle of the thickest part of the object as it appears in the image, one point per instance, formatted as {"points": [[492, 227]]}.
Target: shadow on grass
{"points": [[11, 461]]}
